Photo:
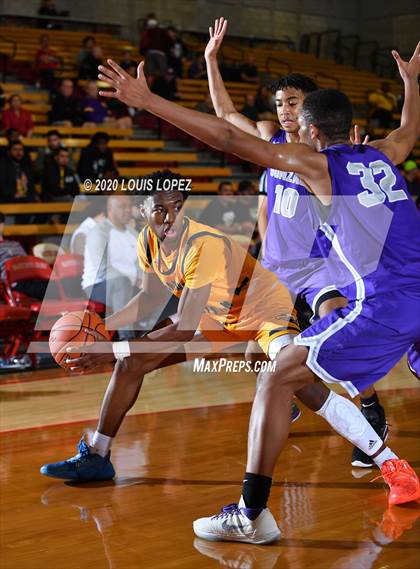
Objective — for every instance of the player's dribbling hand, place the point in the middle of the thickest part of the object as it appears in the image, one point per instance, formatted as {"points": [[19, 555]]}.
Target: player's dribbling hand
{"points": [[409, 70], [216, 38], [133, 92], [94, 355]]}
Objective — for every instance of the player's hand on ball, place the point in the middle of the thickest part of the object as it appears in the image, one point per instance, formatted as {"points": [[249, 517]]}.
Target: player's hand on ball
{"points": [[216, 38], [408, 69], [133, 92], [94, 355]]}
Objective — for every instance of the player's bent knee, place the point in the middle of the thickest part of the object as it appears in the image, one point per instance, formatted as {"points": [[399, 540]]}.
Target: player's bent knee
{"points": [[130, 368], [254, 353], [291, 371]]}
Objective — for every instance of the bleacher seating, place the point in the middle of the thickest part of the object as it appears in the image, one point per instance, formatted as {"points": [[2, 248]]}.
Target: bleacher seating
{"points": [[138, 156]]}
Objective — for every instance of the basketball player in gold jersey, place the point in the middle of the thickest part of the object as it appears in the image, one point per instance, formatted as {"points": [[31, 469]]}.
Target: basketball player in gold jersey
{"points": [[225, 298]]}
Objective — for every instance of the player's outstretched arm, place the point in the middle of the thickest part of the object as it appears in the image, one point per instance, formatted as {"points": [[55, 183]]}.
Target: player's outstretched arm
{"points": [[223, 104], [215, 132], [400, 142]]}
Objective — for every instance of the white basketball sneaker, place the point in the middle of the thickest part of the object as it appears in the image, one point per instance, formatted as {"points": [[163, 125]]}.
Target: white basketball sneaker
{"points": [[236, 522]]}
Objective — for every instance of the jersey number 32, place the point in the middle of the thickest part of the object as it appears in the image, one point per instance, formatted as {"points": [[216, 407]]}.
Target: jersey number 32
{"points": [[376, 192]]}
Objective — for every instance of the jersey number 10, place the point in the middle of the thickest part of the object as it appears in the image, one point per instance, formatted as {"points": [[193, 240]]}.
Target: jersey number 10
{"points": [[286, 201], [376, 193]]}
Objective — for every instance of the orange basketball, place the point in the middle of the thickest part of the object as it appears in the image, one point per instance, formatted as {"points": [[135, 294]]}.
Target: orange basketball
{"points": [[74, 328]]}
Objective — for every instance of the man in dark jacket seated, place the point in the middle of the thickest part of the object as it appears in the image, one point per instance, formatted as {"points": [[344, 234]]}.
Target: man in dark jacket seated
{"points": [[59, 181], [17, 176]]}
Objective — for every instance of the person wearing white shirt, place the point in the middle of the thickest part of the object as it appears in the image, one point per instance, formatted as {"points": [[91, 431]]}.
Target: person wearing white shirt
{"points": [[111, 271], [95, 213]]}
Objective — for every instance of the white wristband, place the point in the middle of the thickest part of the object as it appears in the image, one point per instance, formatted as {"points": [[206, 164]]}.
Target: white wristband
{"points": [[121, 349]]}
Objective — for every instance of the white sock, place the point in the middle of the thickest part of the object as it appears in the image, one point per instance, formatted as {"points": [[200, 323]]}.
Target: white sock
{"points": [[383, 456], [345, 418], [100, 443]]}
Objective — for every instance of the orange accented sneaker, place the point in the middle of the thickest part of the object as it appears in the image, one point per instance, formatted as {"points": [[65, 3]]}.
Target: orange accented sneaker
{"points": [[402, 480]]}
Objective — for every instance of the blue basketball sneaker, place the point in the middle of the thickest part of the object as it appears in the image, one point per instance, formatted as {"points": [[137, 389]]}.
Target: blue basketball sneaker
{"points": [[83, 467], [296, 413]]}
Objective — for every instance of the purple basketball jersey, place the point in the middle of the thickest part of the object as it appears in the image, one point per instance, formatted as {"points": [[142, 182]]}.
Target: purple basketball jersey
{"points": [[375, 223], [374, 228], [293, 243]]}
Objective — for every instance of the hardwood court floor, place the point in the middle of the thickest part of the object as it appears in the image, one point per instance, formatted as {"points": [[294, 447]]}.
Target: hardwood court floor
{"points": [[174, 465]]}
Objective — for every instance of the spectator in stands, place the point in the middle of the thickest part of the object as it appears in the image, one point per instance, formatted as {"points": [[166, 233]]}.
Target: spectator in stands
{"points": [[111, 272], [88, 43], [59, 181], [248, 71], [17, 118], [197, 69], [97, 160], [95, 213], [206, 106], [94, 109], [8, 250], [155, 45], [177, 51], [2, 98], [264, 103], [411, 174], [45, 154], [382, 105], [13, 135], [165, 86], [127, 61], [65, 107], [89, 66], [146, 20], [246, 188], [227, 213], [46, 63], [48, 8], [249, 109], [17, 176], [249, 198]]}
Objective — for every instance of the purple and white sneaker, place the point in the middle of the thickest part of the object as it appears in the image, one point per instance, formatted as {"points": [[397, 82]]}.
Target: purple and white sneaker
{"points": [[236, 522]]}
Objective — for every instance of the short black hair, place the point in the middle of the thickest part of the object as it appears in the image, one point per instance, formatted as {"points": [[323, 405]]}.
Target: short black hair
{"points": [[98, 136], [13, 95], [244, 185], [224, 183], [11, 131], [57, 151], [15, 143], [2, 218], [329, 110], [297, 81], [53, 132], [159, 176], [88, 38]]}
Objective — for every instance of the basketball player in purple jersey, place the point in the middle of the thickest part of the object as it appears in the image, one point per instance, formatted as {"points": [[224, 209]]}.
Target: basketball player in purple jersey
{"points": [[289, 252], [366, 338]]}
